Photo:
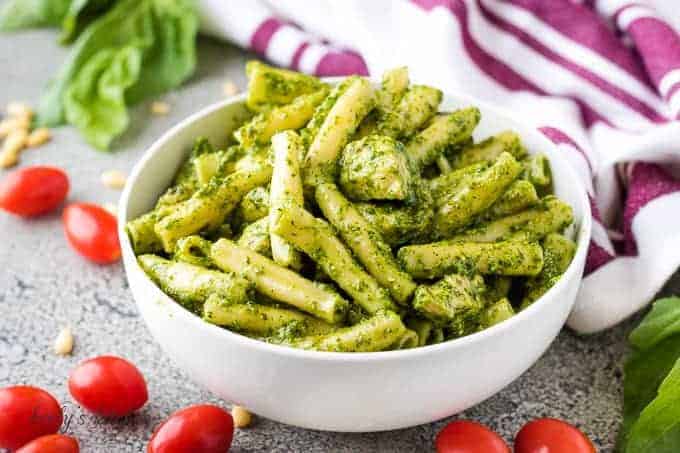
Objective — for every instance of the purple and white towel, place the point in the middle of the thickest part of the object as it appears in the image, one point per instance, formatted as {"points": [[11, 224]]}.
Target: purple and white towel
{"points": [[600, 78]]}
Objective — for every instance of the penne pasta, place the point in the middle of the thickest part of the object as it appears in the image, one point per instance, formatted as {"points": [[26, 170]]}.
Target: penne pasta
{"points": [[355, 218]]}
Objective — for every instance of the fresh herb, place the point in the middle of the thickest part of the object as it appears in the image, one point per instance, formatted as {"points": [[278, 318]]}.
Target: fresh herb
{"points": [[18, 14], [651, 413], [79, 15], [127, 50], [71, 15]]}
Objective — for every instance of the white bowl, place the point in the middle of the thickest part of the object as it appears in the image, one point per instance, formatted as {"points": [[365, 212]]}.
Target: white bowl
{"points": [[347, 391]]}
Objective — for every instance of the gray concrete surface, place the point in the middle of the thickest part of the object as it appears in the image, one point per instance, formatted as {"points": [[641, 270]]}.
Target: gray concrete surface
{"points": [[45, 286]]}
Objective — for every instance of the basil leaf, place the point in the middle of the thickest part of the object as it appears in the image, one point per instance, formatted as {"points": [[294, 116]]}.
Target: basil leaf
{"points": [[80, 14], [138, 49], [644, 371], [658, 428], [171, 58], [660, 323], [656, 349], [95, 101], [18, 14]]}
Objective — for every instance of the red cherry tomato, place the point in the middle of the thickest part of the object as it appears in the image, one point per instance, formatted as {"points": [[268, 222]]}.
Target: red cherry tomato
{"points": [[92, 232], [55, 443], [549, 435], [465, 436], [198, 429], [27, 413], [33, 191], [108, 386]]}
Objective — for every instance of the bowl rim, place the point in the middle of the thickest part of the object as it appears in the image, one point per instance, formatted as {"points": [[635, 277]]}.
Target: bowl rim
{"points": [[583, 233]]}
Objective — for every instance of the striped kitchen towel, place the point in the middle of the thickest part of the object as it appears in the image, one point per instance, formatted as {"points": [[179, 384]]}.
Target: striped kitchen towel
{"points": [[600, 78]]}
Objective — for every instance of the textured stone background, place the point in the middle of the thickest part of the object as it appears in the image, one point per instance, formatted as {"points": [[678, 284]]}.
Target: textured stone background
{"points": [[44, 286]]}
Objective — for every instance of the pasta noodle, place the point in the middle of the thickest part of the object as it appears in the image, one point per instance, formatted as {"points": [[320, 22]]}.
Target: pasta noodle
{"points": [[355, 219]]}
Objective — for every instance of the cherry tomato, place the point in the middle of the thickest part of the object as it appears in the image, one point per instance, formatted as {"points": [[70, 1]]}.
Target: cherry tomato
{"points": [[198, 429], [25, 414], [465, 436], [32, 191], [55, 443], [549, 435], [92, 232], [108, 386]]}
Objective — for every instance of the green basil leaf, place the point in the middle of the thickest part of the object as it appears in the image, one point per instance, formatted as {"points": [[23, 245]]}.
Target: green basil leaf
{"points": [[18, 14], [95, 101], [80, 14], [172, 57], [101, 70], [656, 349], [644, 371], [124, 23], [660, 323], [658, 428]]}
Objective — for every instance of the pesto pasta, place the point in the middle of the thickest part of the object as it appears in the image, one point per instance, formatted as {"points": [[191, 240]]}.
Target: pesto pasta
{"points": [[355, 218]]}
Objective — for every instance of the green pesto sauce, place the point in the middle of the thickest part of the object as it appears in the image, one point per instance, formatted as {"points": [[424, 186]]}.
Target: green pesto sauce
{"points": [[376, 168], [225, 193]]}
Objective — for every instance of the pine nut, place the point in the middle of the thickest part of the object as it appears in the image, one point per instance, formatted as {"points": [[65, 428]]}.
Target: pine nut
{"points": [[21, 122], [160, 108], [38, 137], [8, 160], [242, 418], [11, 124], [19, 109], [63, 345], [7, 126], [113, 179], [14, 143], [229, 88]]}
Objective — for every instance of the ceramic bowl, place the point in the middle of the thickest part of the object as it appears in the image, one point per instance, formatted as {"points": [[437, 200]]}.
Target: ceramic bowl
{"points": [[347, 391]]}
